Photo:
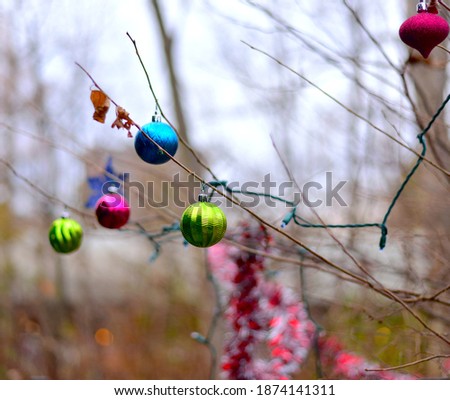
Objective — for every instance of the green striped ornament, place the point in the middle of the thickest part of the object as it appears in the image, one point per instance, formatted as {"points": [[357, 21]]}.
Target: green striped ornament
{"points": [[65, 235], [203, 224]]}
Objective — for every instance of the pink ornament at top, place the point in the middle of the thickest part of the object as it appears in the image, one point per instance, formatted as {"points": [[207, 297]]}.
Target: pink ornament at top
{"points": [[425, 30], [112, 211]]}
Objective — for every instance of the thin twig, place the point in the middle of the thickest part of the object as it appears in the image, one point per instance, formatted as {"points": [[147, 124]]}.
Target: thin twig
{"points": [[146, 73], [444, 5], [443, 48], [439, 293], [411, 363], [41, 191]]}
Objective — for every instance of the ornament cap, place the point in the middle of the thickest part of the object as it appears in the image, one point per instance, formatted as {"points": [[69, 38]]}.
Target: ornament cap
{"points": [[113, 189], [203, 197], [422, 6]]}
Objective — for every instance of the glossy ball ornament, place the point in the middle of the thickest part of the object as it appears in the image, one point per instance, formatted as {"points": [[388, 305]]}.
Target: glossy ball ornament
{"points": [[203, 224], [162, 134], [424, 31], [112, 211], [65, 235]]}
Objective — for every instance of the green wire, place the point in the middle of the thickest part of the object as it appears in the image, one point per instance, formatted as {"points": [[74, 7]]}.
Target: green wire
{"points": [[383, 225], [298, 220]]}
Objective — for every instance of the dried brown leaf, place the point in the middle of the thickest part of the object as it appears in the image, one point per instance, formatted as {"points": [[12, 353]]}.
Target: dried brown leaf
{"points": [[123, 120], [101, 103]]}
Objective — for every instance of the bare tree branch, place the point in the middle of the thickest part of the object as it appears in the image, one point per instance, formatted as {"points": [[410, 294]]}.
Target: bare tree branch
{"points": [[411, 363], [370, 123]]}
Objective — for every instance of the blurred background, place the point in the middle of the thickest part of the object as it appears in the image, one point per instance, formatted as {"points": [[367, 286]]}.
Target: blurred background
{"points": [[108, 311]]}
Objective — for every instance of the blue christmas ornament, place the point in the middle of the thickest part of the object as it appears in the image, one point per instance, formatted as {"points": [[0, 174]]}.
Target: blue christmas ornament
{"points": [[162, 134]]}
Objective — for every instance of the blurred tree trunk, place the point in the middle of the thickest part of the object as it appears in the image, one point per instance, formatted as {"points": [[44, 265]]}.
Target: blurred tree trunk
{"points": [[168, 42]]}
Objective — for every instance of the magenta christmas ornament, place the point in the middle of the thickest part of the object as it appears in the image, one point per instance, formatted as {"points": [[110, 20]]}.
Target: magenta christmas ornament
{"points": [[424, 31], [112, 211]]}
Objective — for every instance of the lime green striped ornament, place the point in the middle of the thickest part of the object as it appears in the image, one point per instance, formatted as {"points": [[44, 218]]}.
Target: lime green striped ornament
{"points": [[65, 235], [203, 224]]}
